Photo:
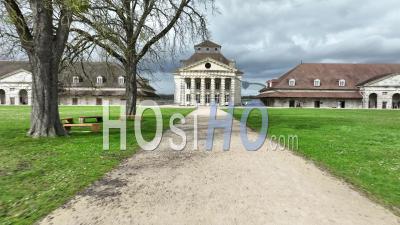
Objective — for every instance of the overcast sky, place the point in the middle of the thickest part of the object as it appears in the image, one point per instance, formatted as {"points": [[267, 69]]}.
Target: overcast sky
{"points": [[269, 37]]}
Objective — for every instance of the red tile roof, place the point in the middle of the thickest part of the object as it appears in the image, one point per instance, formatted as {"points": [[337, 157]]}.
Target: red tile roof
{"points": [[330, 74], [313, 94]]}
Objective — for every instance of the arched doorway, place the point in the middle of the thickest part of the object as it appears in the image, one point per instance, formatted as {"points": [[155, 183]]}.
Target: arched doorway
{"points": [[396, 101], [373, 101], [2, 97], [23, 97]]}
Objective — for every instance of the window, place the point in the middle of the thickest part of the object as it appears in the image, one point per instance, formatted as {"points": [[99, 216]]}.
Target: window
{"points": [[198, 97], [198, 86], [2, 97], [292, 83], [217, 99], [99, 101], [317, 83], [227, 98], [99, 80], [121, 80], [12, 89], [208, 49], [208, 85], [75, 80], [342, 104], [217, 86], [74, 101], [292, 104], [342, 83], [208, 65], [384, 93], [188, 85]]}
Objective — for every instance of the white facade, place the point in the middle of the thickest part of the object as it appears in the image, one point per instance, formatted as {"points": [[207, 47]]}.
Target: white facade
{"points": [[16, 88], [383, 93], [322, 103], [207, 81], [335, 85]]}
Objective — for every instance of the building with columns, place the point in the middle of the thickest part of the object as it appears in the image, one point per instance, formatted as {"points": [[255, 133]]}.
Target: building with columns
{"points": [[207, 77], [321, 85]]}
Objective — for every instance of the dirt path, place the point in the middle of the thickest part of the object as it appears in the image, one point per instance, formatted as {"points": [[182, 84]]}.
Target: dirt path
{"points": [[235, 187]]}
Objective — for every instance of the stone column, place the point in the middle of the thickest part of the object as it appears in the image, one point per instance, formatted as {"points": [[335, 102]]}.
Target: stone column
{"points": [[177, 90], [7, 97], [17, 102], [193, 91], [379, 101], [212, 96], [233, 87], [222, 94], [183, 91], [30, 98], [203, 91]]}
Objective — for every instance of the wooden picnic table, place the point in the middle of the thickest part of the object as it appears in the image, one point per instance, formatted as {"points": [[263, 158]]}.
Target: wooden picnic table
{"points": [[95, 127], [82, 119], [67, 120]]}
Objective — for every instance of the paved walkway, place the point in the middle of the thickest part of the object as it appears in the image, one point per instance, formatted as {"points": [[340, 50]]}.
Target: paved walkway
{"points": [[235, 187]]}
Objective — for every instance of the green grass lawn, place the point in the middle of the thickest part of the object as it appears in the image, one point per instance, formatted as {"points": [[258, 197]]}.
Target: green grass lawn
{"points": [[39, 175], [360, 146]]}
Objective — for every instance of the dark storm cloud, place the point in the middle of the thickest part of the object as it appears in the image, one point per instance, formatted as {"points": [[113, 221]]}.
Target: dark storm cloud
{"points": [[268, 37]]}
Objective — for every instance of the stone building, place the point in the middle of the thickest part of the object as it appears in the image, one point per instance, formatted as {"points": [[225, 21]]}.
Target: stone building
{"points": [[81, 84], [207, 77], [336, 86]]}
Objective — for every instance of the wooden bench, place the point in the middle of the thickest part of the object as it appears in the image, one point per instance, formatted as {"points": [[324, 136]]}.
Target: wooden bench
{"points": [[67, 120], [82, 119], [94, 126]]}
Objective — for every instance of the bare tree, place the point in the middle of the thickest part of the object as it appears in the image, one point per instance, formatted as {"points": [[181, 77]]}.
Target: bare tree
{"points": [[133, 30], [41, 28]]}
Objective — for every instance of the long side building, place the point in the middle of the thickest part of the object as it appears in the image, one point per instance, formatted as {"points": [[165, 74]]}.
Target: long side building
{"points": [[80, 84], [335, 86]]}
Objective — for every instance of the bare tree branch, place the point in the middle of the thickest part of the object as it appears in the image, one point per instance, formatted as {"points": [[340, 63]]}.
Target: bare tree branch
{"points": [[137, 33]]}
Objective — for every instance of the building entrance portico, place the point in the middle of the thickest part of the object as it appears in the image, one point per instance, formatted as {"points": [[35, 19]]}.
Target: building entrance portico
{"points": [[214, 90], [208, 78]]}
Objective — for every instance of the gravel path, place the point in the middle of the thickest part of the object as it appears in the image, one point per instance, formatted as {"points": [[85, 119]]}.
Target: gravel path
{"points": [[235, 187]]}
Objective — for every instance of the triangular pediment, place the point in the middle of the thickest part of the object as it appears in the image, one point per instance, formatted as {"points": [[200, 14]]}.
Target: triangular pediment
{"points": [[208, 64], [18, 76], [389, 80]]}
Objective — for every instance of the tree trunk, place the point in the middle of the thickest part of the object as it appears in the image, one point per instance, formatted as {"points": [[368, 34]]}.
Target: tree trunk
{"points": [[45, 118], [131, 89], [45, 59]]}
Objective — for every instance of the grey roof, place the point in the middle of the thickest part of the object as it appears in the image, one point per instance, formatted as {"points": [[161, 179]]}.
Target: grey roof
{"points": [[200, 56], [88, 72], [7, 67], [208, 43]]}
